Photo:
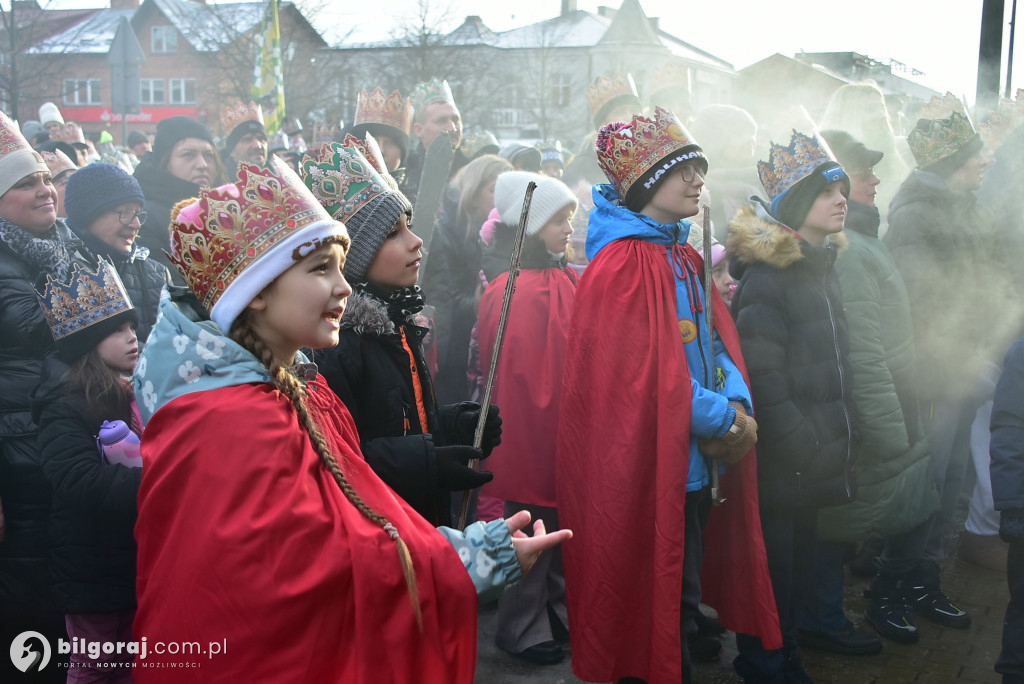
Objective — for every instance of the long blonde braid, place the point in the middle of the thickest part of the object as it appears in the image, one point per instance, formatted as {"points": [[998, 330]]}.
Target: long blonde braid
{"points": [[289, 385]]}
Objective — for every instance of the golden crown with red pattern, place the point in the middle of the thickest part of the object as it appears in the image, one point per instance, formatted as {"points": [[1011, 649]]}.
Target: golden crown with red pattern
{"points": [[607, 93], [788, 165], [370, 149], [235, 240], [58, 162], [943, 127], [88, 298], [627, 152], [377, 107], [342, 179], [324, 132], [232, 115], [1002, 122], [17, 158], [671, 76]]}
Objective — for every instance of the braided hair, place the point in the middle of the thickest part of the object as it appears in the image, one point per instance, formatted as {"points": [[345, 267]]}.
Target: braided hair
{"points": [[243, 333]]}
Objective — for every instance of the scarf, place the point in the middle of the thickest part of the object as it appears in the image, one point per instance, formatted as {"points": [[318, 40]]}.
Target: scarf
{"points": [[47, 252], [402, 304]]}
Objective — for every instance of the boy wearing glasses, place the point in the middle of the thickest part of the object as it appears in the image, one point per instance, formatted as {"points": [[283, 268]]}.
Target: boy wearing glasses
{"points": [[650, 394], [105, 209]]}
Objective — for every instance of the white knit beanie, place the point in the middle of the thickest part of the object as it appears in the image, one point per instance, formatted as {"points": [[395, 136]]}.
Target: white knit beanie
{"points": [[50, 112], [551, 196]]}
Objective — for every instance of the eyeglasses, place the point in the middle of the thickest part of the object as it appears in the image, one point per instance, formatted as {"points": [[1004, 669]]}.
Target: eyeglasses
{"points": [[689, 172], [126, 217]]}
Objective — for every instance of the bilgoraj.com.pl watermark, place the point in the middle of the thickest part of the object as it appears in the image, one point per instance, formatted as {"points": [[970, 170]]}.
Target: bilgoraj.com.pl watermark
{"points": [[31, 651]]}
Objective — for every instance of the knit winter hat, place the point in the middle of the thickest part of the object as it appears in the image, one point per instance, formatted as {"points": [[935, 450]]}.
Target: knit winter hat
{"points": [[171, 130], [349, 187], [794, 206], [521, 156], [240, 131], [49, 112], [17, 158], [137, 138], [97, 188], [31, 129], [551, 196]]}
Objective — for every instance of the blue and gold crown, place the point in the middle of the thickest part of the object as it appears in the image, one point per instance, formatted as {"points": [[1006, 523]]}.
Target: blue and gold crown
{"points": [[787, 166], [86, 299]]}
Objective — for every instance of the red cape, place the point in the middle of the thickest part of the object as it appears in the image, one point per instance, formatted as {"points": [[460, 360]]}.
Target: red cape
{"points": [[622, 464], [246, 539], [528, 383]]}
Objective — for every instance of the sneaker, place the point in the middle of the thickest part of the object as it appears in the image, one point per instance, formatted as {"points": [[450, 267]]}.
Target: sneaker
{"points": [[888, 612], [845, 641], [921, 588]]}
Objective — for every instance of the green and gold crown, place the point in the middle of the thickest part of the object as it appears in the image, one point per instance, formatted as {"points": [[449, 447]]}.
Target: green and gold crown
{"points": [[434, 90], [341, 179], [86, 299], [943, 127]]}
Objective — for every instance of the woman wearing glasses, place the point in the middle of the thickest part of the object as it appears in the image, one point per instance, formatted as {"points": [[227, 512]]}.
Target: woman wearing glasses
{"points": [[105, 209]]}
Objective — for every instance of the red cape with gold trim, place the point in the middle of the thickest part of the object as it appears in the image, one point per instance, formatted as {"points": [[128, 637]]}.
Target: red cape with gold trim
{"points": [[622, 464]]}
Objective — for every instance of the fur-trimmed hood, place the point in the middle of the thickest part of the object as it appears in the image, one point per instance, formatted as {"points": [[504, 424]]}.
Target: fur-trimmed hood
{"points": [[367, 315], [754, 236]]}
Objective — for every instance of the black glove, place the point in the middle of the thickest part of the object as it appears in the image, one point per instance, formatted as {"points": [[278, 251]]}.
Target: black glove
{"points": [[1011, 525], [466, 422], [453, 471]]}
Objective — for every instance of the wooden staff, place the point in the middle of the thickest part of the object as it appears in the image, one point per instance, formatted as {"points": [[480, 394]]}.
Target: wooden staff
{"points": [[709, 284]]}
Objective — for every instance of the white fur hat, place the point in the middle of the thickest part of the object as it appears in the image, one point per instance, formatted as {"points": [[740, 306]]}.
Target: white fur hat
{"points": [[550, 196], [50, 112]]}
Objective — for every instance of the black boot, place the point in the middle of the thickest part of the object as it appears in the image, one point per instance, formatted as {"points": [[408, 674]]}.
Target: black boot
{"points": [[921, 587], [888, 611]]}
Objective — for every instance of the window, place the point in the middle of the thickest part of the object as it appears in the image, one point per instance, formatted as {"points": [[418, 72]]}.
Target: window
{"points": [[183, 91], [560, 90], [163, 40], [82, 91], [151, 91]]}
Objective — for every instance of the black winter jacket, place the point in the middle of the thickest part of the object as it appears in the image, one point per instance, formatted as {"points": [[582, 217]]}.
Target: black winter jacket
{"points": [[143, 278], [789, 314], [92, 552], [162, 191], [370, 372]]}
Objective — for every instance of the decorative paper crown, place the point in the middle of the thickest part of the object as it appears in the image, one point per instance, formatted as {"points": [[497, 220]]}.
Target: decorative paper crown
{"points": [[607, 93], [235, 239], [370, 150], [935, 139], [941, 107], [58, 162], [625, 153], [17, 158], [434, 90], [235, 114], [341, 179], [787, 166], [379, 108], [474, 142], [669, 76], [86, 299], [1002, 122], [324, 132]]}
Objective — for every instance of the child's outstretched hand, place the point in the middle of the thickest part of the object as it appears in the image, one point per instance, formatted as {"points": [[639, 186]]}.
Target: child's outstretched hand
{"points": [[528, 549]]}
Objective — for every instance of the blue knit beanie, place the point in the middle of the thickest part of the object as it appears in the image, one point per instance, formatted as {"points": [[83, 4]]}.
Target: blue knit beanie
{"points": [[97, 188]]}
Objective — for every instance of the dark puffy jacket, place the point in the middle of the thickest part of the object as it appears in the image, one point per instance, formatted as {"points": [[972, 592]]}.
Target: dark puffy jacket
{"points": [[369, 370], [452, 283], [954, 264], [789, 313], [162, 191], [92, 551], [143, 278]]}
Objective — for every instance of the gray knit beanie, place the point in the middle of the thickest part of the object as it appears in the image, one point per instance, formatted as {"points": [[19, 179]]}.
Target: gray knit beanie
{"points": [[368, 229]]}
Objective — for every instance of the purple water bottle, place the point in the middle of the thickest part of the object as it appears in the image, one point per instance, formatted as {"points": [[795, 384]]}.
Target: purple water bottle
{"points": [[118, 444]]}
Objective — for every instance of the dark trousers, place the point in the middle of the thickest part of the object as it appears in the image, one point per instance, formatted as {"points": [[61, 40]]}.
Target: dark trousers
{"points": [[823, 600], [1011, 659], [790, 538]]}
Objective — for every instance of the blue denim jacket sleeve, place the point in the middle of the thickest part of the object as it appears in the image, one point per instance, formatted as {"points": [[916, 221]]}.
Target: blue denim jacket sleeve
{"points": [[490, 559]]}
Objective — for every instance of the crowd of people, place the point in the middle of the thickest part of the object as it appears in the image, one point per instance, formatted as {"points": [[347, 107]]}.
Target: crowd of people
{"points": [[241, 388]]}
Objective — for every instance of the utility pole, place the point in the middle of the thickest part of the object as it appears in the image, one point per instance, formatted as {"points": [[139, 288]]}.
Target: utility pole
{"points": [[1008, 93], [990, 54]]}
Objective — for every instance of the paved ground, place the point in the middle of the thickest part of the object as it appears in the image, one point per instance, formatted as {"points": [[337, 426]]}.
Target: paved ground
{"points": [[942, 655]]}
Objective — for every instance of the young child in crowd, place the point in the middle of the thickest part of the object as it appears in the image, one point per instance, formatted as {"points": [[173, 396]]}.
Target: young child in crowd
{"points": [[528, 384], [378, 368], [261, 526], [789, 313], [85, 387]]}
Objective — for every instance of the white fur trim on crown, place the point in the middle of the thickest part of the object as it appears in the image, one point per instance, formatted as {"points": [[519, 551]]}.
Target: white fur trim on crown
{"points": [[50, 112], [550, 196], [17, 164], [250, 282]]}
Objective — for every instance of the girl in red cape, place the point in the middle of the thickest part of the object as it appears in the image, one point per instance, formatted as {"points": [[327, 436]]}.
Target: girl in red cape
{"points": [[643, 410], [264, 537], [527, 385]]}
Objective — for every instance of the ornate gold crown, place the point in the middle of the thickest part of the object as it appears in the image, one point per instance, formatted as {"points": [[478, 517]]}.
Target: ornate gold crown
{"points": [[626, 152], [341, 179], [935, 139], [608, 92], [324, 132], [671, 75], [58, 162], [10, 137], [1002, 122], [376, 107], [940, 107], [476, 140], [369, 148], [214, 239], [232, 115], [434, 90], [787, 166], [86, 299]]}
